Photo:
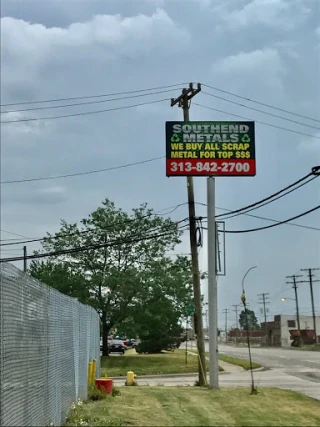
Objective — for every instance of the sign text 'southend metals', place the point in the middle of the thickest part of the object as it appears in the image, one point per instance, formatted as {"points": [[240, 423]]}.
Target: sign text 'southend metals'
{"points": [[210, 149]]}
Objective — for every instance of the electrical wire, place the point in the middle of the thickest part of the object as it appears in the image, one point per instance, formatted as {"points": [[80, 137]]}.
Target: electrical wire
{"points": [[257, 121], [110, 226], [87, 102], [85, 113], [269, 197], [260, 111], [260, 103], [94, 96], [274, 225], [45, 178], [273, 200], [78, 249]]}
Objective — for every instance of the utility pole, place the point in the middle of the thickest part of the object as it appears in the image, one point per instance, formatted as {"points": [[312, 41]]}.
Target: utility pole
{"points": [[295, 287], [311, 281], [226, 311], [25, 259], [264, 301], [236, 306], [183, 101]]}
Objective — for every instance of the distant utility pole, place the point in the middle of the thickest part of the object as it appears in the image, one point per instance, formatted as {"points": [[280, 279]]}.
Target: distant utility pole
{"points": [[236, 306], [264, 300], [25, 259], [295, 287], [184, 101], [226, 311], [311, 281]]}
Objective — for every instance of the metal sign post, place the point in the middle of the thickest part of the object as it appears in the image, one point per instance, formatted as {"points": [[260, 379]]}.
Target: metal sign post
{"points": [[212, 286], [211, 149]]}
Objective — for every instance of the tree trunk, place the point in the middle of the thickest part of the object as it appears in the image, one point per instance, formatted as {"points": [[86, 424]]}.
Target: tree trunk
{"points": [[105, 333]]}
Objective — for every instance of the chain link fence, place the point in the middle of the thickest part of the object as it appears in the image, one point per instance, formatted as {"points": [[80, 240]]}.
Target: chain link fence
{"points": [[46, 342]]}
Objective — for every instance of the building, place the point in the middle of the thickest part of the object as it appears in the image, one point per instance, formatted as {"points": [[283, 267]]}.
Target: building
{"points": [[276, 333]]}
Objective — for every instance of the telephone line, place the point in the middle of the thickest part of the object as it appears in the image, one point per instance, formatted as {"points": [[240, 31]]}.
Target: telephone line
{"points": [[93, 96], [272, 225], [83, 173], [257, 121], [85, 113], [112, 225], [260, 103], [261, 111], [276, 198], [88, 102], [84, 248]]}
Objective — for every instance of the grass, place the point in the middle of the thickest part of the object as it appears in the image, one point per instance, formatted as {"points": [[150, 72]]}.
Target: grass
{"points": [[149, 364], [245, 364], [193, 406]]}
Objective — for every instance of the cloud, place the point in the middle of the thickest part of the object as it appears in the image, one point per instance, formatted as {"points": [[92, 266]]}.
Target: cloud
{"points": [[262, 66], [278, 14], [114, 34], [43, 196]]}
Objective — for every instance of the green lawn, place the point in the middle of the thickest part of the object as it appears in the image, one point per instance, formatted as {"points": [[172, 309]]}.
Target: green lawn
{"points": [[149, 364], [245, 364], [194, 406]]}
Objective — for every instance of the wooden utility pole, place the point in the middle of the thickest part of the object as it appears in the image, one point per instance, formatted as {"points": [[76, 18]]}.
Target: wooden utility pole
{"points": [[264, 302], [311, 281], [295, 287], [183, 101], [226, 311], [25, 259], [236, 306]]}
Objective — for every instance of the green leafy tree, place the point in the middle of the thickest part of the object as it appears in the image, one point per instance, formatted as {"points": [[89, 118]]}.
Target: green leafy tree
{"points": [[118, 277], [252, 320]]}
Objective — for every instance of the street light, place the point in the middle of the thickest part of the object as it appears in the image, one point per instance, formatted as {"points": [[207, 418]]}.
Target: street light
{"points": [[243, 299], [242, 284], [285, 299]]}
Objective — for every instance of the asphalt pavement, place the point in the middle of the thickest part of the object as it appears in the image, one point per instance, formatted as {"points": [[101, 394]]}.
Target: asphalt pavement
{"points": [[295, 370]]}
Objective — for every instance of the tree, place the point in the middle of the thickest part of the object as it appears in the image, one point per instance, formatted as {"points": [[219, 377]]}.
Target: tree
{"points": [[252, 320], [121, 274]]}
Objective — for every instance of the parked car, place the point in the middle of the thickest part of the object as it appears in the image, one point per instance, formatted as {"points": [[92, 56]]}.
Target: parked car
{"points": [[116, 346]]}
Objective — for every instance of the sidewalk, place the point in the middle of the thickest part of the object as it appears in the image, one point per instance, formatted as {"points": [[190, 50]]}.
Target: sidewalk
{"points": [[271, 378]]}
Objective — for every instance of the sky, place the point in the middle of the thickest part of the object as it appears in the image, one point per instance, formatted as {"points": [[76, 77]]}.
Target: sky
{"points": [[263, 50]]}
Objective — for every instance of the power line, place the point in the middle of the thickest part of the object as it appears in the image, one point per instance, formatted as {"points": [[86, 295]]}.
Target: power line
{"points": [[257, 121], [261, 111], [43, 178], [110, 226], [84, 248], [14, 234], [269, 197], [260, 103], [84, 113], [87, 102], [93, 96], [274, 225], [273, 200]]}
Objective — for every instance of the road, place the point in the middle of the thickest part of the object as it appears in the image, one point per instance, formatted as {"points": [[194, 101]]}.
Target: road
{"points": [[292, 369]]}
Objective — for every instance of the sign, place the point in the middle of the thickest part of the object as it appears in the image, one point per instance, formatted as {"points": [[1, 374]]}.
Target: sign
{"points": [[210, 149], [189, 309]]}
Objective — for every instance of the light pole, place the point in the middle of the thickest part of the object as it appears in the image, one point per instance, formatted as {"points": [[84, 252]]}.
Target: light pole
{"points": [[242, 284], [243, 299]]}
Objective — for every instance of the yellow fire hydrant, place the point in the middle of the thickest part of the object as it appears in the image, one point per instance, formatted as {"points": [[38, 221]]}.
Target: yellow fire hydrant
{"points": [[130, 377]]}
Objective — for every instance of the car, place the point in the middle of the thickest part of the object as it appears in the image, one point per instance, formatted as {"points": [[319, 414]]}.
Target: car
{"points": [[116, 346]]}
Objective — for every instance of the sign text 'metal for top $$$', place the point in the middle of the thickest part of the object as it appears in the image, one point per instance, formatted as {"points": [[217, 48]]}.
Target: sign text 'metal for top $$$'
{"points": [[210, 149]]}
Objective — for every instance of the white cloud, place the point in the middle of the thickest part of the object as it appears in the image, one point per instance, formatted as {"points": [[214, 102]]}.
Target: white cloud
{"points": [[271, 13], [113, 33], [263, 66]]}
